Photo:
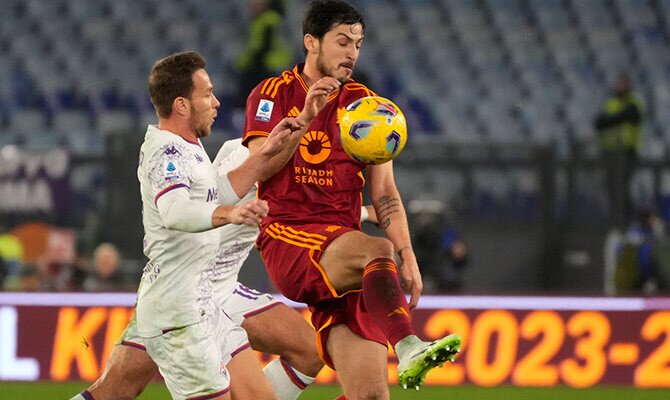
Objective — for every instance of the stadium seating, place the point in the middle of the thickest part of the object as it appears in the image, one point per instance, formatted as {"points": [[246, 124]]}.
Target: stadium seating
{"points": [[489, 70]]}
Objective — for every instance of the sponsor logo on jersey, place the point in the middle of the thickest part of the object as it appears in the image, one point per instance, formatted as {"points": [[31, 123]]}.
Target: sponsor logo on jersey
{"points": [[315, 147], [212, 194], [319, 177], [171, 151], [264, 110], [171, 172]]}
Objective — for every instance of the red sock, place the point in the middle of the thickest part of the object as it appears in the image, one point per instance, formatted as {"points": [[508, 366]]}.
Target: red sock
{"points": [[385, 300], [341, 398]]}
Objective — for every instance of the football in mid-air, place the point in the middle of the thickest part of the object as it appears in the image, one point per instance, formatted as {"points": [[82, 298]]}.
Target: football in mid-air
{"points": [[373, 130]]}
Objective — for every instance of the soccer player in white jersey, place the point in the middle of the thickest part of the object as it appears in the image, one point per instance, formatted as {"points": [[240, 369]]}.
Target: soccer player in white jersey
{"points": [[272, 327], [183, 328]]}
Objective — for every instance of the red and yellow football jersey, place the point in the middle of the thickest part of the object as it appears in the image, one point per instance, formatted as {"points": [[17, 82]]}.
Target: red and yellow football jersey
{"points": [[320, 183]]}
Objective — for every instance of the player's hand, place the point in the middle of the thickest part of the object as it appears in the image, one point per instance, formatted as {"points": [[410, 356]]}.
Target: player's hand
{"points": [[280, 136], [250, 213], [411, 277], [317, 97]]}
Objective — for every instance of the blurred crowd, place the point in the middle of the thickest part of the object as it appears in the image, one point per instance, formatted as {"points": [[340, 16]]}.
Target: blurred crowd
{"points": [[41, 257], [640, 257]]}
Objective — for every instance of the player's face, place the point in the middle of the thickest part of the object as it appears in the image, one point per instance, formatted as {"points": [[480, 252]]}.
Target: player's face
{"points": [[339, 50], [203, 105]]}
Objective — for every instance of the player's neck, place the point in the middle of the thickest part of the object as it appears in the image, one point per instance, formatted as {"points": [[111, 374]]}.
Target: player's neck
{"points": [[310, 73], [177, 127]]}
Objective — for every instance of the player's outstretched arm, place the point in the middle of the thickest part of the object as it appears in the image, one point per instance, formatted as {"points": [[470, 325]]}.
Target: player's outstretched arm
{"points": [[262, 162], [285, 145], [250, 213], [237, 171], [180, 213], [393, 220]]}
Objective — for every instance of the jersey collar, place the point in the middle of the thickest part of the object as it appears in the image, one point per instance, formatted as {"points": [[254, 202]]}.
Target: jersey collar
{"points": [[154, 128], [297, 71], [195, 142]]}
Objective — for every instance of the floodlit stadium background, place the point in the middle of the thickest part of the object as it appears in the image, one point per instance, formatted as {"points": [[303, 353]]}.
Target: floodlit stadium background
{"points": [[500, 96]]}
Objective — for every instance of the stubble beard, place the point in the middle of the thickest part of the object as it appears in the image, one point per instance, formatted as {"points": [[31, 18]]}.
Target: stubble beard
{"points": [[324, 71], [202, 129]]}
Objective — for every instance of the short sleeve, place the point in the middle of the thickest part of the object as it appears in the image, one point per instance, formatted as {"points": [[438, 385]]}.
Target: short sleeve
{"points": [[263, 111], [169, 167]]}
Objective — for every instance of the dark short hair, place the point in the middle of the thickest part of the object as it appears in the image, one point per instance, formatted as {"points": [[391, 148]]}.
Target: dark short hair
{"points": [[172, 77], [322, 15]]}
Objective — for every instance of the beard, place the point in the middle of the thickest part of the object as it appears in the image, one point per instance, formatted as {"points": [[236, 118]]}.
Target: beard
{"points": [[325, 71], [203, 131], [201, 128]]}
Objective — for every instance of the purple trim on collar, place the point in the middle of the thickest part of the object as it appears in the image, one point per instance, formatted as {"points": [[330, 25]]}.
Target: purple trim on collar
{"points": [[195, 142]]}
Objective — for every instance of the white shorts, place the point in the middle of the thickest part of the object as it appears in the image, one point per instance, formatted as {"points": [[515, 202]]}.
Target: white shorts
{"points": [[193, 359], [242, 303], [245, 302]]}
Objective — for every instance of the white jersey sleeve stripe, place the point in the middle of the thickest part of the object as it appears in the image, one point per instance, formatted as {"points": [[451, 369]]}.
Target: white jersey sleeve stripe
{"points": [[167, 189]]}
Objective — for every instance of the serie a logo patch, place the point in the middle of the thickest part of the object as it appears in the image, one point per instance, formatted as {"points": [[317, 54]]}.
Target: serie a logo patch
{"points": [[264, 110]]}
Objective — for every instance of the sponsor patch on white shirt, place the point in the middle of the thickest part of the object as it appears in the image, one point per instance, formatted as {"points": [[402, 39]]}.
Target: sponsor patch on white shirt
{"points": [[171, 171], [264, 110]]}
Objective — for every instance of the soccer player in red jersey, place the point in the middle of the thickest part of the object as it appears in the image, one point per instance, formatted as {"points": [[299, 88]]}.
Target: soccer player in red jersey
{"points": [[311, 241]]}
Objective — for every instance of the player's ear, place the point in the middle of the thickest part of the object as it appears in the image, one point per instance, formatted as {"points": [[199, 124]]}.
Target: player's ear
{"points": [[180, 105], [311, 43]]}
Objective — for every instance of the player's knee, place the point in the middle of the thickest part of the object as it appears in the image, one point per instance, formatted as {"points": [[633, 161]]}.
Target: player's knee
{"points": [[379, 248], [313, 364]]}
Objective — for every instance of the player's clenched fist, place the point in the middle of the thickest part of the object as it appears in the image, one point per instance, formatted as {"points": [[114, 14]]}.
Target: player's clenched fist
{"points": [[317, 97], [249, 213]]}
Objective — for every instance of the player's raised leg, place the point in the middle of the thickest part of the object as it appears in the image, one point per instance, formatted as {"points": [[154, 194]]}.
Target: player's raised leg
{"points": [[356, 260], [283, 331]]}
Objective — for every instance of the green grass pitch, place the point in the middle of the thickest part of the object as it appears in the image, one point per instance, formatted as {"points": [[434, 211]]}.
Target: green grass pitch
{"points": [[65, 390]]}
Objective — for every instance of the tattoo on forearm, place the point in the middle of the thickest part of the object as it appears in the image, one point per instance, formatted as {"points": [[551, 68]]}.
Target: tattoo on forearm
{"points": [[386, 206]]}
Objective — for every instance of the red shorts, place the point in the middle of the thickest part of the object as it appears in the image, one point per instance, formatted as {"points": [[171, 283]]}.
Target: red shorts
{"points": [[291, 255]]}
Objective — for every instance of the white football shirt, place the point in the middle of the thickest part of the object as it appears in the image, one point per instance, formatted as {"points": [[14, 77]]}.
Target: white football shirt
{"points": [[236, 241], [176, 285]]}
